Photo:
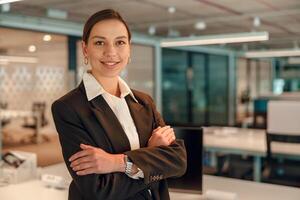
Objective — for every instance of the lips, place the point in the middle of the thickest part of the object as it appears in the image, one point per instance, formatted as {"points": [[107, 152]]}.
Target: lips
{"points": [[110, 64]]}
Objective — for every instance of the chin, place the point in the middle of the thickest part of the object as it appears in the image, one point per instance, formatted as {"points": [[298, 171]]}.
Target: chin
{"points": [[107, 74]]}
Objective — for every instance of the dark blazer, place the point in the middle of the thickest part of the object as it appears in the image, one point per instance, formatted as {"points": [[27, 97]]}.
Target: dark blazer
{"points": [[79, 121]]}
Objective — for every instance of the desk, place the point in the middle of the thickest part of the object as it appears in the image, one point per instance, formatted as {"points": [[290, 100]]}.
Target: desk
{"points": [[246, 190], [8, 114], [250, 142]]}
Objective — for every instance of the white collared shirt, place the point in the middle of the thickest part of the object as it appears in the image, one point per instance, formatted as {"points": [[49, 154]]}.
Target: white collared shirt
{"points": [[119, 106]]}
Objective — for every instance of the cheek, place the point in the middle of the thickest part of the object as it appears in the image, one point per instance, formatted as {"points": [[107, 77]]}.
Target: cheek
{"points": [[95, 54], [125, 53]]}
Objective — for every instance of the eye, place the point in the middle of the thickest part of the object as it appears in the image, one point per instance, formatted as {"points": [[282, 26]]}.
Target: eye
{"points": [[120, 43], [99, 43]]}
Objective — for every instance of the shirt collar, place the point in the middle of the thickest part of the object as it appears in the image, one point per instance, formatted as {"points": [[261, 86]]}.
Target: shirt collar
{"points": [[93, 88]]}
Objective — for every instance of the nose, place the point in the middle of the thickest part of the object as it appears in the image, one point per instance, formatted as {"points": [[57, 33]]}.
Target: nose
{"points": [[110, 50]]}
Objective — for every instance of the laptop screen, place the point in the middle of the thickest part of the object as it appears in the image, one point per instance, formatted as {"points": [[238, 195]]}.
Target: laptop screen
{"points": [[191, 181]]}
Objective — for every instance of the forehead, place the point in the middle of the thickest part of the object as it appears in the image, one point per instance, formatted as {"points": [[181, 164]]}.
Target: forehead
{"points": [[110, 28]]}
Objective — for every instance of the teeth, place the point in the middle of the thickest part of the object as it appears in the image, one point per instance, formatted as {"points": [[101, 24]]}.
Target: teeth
{"points": [[110, 63]]}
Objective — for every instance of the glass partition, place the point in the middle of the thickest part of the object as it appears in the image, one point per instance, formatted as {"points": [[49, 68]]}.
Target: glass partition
{"points": [[195, 88]]}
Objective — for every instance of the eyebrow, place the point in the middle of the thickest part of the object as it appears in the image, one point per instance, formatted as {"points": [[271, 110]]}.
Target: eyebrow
{"points": [[101, 37]]}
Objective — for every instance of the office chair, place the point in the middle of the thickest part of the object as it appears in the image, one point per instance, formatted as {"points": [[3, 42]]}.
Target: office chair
{"points": [[260, 113], [38, 108], [3, 106], [282, 126]]}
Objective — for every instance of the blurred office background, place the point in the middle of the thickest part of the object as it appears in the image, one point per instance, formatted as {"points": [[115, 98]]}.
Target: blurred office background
{"points": [[216, 86]]}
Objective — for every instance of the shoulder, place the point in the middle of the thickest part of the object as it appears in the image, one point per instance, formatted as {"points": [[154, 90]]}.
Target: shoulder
{"points": [[142, 97], [74, 98]]}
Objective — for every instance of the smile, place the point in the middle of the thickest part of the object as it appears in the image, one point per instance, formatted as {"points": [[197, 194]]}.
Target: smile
{"points": [[110, 63]]}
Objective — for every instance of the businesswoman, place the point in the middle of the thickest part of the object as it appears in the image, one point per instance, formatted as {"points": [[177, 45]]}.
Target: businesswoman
{"points": [[114, 142]]}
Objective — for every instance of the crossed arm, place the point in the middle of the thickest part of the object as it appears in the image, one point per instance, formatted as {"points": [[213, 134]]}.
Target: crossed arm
{"points": [[98, 181], [91, 159]]}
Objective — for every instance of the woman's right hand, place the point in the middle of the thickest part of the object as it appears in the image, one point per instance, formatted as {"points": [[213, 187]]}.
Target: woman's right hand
{"points": [[162, 136]]}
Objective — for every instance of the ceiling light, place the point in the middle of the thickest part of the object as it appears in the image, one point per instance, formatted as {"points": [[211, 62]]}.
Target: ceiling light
{"points": [[171, 9], [32, 48], [256, 21], [216, 39], [47, 38], [273, 53], [200, 25], [8, 1], [152, 30], [18, 59]]}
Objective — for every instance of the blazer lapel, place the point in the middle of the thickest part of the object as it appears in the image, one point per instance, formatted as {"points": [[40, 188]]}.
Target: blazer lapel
{"points": [[142, 120], [140, 115], [111, 124]]}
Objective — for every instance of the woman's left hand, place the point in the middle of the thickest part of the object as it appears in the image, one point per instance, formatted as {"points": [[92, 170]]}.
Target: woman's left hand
{"points": [[92, 160]]}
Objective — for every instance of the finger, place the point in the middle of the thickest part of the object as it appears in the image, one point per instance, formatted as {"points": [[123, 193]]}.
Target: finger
{"points": [[167, 131], [156, 129], [86, 171], [163, 129], [169, 134], [171, 138], [85, 146], [81, 160], [83, 166], [79, 155]]}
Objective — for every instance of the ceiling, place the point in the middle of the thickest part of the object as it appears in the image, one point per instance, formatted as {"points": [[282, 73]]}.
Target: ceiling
{"points": [[281, 18]]}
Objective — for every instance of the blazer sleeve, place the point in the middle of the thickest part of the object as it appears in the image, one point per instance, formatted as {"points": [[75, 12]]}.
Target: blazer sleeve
{"points": [[161, 162], [94, 186]]}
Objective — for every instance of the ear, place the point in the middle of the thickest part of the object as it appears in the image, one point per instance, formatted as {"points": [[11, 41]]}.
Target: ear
{"points": [[84, 48]]}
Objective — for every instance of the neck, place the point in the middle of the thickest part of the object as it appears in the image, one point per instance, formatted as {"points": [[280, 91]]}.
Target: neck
{"points": [[109, 84]]}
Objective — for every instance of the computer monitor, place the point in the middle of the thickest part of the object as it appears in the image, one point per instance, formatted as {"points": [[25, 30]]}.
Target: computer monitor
{"points": [[191, 181]]}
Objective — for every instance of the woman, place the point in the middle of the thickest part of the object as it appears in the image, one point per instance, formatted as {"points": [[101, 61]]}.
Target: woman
{"points": [[114, 142]]}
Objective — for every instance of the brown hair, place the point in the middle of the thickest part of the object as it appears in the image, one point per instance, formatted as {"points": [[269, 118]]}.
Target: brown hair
{"points": [[100, 16]]}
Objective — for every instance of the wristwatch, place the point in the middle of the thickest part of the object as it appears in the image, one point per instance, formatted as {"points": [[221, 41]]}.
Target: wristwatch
{"points": [[128, 165]]}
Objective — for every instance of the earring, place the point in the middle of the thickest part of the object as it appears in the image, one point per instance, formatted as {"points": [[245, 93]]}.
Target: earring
{"points": [[86, 61]]}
